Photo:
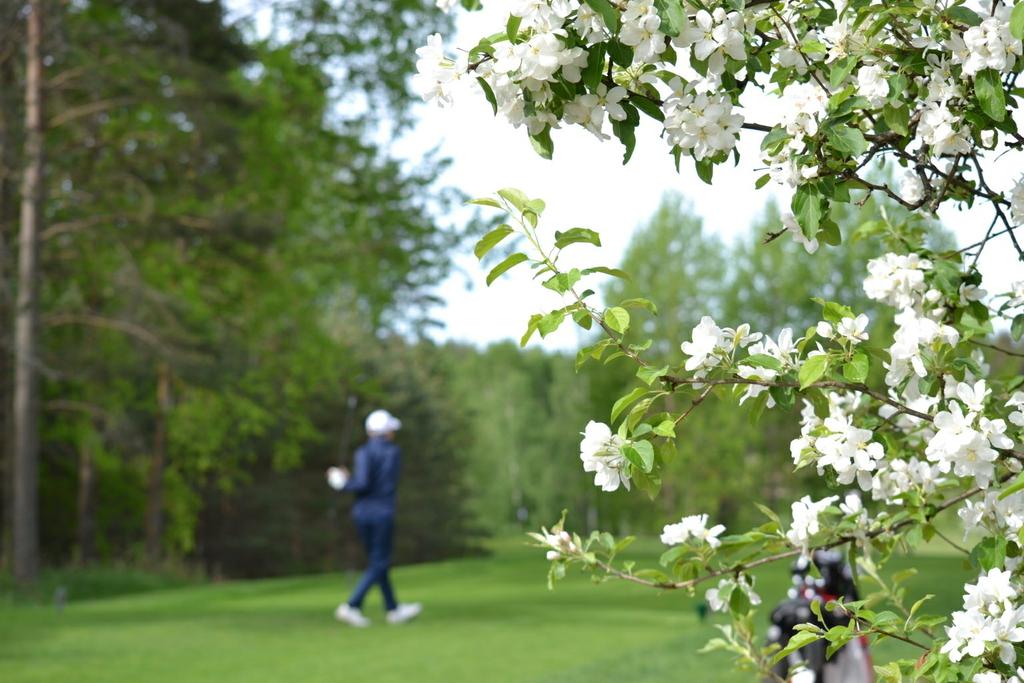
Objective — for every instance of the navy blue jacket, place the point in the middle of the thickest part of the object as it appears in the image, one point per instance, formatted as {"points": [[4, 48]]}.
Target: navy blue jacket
{"points": [[375, 478]]}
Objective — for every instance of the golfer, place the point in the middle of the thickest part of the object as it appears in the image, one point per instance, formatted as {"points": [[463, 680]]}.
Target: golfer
{"points": [[374, 482]]}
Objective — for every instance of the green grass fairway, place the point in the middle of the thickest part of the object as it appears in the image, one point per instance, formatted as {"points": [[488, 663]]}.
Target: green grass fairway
{"points": [[490, 620]]}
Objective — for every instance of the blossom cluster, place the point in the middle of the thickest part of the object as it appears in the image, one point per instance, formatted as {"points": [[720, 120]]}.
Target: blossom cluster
{"points": [[965, 441], [828, 86], [561, 544], [992, 619], [805, 524], [837, 443], [695, 528], [601, 453]]}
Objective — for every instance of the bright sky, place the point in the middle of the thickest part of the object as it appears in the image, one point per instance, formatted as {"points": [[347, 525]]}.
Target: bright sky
{"points": [[586, 185]]}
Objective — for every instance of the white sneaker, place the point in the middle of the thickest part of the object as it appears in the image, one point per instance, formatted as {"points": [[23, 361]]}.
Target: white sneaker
{"points": [[404, 613], [352, 616]]}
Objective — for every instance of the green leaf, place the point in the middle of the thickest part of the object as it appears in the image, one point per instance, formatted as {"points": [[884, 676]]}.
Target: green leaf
{"points": [[607, 12], [620, 54], [648, 374], [491, 239], [486, 201], [762, 360], [614, 272], [963, 15], [1017, 485], [625, 131], [617, 318], [830, 232], [757, 406], [846, 140], [1017, 21], [516, 198], [563, 282], [770, 514], [595, 67], [640, 454], [489, 94], [666, 428], [512, 27], [510, 262], [799, 639], [988, 88], [550, 322], [774, 140], [673, 18], [625, 401], [577, 235], [856, 370], [705, 169], [897, 118], [841, 69], [647, 106], [1017, 326], [990, 553], [806, 207], [640, 302], [531, 327], [812, 370], [542, 143], [583, 319], [739, 601], [832, 311]]}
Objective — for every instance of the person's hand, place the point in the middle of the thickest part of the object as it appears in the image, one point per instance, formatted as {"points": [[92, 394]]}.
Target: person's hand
{"points": [[337, 477]]}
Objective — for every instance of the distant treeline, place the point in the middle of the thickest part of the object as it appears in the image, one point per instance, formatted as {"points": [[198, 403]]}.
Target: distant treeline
{"points": [[223, 253]]}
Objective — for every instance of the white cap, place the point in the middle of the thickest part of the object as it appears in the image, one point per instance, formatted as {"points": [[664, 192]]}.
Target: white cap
{"points": [[382, 422]]}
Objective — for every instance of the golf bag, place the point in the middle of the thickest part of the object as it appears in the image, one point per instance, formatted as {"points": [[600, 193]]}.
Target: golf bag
{"points": [[809, 664]]}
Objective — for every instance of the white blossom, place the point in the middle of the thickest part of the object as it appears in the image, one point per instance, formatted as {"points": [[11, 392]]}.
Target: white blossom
{"points": [[601, 453], [707, 340], [872, 85], [436, 74], [692, 527], [943, 130], [714, 36], [1017, 202], [805, 521], [590, 25], [897, 279], [702, 125], [590, 110], [911, 188], [991, 621], [561, 544], [640, 24], [987, 46], [804, 106], [853, 330], [789, 222]]}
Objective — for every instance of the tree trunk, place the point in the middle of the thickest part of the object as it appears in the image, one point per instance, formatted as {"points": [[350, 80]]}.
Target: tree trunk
{"points": [[26, 325], [155, 489], [8, 112], [86, 503]]}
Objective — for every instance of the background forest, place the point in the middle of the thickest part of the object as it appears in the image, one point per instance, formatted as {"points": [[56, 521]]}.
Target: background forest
{"points": [[234, 269]]}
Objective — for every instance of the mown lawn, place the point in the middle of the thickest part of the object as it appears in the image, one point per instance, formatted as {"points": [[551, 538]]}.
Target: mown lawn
{"points": [[488, 620]]}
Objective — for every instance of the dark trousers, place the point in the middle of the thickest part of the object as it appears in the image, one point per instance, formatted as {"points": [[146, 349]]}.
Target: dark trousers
{"points": [[376, 536]]}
